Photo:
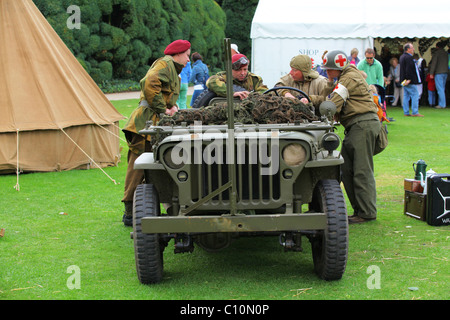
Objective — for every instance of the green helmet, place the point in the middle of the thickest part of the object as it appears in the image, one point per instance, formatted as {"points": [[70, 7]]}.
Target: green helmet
{"points": [[335, 60]]}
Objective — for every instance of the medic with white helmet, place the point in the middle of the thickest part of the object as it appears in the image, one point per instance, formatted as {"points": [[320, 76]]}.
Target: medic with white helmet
{"points": [[358, 114]]}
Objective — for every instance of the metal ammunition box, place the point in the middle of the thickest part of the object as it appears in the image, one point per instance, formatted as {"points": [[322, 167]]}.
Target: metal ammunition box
{"points": [[415, 205]]}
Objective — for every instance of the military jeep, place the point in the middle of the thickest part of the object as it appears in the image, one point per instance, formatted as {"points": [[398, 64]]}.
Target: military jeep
{"points": [[219, 182]]}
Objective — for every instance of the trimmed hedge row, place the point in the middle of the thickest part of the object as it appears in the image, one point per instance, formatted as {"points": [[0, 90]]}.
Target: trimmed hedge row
{"points": [[120, 39]]}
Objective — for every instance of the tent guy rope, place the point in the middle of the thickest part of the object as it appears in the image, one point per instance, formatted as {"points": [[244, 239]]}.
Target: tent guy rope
{"points": [[113, 124], [88, 156]]}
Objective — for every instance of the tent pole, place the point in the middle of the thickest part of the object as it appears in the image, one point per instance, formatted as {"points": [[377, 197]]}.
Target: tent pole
{"points": [[17, 186]]}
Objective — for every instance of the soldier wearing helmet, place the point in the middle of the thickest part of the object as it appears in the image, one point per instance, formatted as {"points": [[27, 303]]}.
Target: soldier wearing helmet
{"points": [[358, 114], [303, 77]]}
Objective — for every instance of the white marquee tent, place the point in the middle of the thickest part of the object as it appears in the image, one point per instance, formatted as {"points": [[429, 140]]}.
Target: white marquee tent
{"points": [[284, 28]]}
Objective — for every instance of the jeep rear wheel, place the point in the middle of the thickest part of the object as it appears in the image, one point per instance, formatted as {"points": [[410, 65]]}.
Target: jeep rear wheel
{"points": [[148, 248], [330, 246]]}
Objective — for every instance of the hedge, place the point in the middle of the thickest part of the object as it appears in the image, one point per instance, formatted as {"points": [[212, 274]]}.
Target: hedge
{"points": [[120, 39]]}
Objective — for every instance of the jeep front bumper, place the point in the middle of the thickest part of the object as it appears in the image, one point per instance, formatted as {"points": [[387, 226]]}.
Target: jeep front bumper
{"points": [[236, 223]]}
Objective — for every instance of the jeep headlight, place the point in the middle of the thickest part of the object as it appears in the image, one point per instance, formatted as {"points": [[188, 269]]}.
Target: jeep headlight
{"points": [[330, 141], [175, 157], [294, 154]]}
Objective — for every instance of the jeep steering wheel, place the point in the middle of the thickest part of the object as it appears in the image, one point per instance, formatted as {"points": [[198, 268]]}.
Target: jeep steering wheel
{"points": [[302, 94]]}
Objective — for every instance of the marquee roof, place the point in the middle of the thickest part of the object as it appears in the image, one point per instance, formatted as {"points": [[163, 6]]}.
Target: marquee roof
{"points": [[351, 19]]}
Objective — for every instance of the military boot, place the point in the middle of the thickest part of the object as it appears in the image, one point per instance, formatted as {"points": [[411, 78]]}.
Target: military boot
{"points": [[128, 214]]}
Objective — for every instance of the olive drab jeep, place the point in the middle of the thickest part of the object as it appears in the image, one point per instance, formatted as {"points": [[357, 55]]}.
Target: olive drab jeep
{"points": [[217, 182]]}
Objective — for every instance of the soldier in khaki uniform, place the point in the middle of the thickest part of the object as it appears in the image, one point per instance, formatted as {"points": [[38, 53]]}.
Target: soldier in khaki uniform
{"points": [[160, 89], [241, 77], [303, 77], [358, 114]]}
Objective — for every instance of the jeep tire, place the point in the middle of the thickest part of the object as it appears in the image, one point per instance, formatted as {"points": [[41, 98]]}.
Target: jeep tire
{"points": [[330, 246], [148, 248]]}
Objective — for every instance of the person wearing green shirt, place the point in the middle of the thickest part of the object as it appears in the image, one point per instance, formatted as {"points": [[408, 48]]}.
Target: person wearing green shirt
{"points": [[372, 67]]}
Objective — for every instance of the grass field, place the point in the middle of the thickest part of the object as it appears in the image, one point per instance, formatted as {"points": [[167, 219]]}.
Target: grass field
{"points": [[64, 239]]}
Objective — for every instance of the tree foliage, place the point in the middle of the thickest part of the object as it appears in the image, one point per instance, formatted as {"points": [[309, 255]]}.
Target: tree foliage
{"points": [[120, 39], [239, 20]]}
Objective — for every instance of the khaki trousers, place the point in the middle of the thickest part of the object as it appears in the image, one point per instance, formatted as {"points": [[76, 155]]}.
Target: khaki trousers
{"points": [[133, 177], [357, 170]]}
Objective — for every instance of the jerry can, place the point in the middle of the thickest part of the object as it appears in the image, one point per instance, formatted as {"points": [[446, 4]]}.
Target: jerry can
{"points": [[438, 200]]}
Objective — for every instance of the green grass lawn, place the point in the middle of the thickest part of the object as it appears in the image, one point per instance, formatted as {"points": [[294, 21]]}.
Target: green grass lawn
{"points": [[63, 219]]}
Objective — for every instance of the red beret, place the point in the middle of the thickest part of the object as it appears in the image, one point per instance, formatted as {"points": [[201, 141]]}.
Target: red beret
{"points": [[178, 46], [237, 56]]}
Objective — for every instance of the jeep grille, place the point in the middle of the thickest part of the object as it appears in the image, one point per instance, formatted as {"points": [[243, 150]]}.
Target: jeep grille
{"points": [[251, 186]]}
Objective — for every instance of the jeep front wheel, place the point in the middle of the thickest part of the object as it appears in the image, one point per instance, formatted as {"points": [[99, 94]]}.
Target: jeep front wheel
{"points": [[148, 248], [330, 246]]}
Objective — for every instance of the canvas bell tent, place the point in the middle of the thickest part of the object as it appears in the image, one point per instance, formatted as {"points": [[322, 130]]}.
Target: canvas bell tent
{"points": [[52, 114], [285, 28]]}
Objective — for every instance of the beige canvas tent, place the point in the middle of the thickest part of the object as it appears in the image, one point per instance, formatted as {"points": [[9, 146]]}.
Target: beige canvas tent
{"points": [[52, 114]]}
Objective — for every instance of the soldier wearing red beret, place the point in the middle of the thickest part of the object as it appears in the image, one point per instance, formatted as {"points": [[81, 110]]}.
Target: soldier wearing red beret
{"points": [[160, 89]]}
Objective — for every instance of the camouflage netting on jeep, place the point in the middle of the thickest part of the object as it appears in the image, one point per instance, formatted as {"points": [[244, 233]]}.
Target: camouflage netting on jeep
{"points": [[256, 108]]}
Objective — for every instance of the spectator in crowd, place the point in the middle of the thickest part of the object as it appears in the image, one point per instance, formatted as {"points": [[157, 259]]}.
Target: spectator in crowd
{"points": [[409, 77], [377, 99], [394, 76], [431, 86], [185, 76], [385, 59], [420, 63], [199, 75], [357, 112], [159, 92], [439, 71], [372, 67], [304, 78], [241, 77], [234, 49], [353, 57]]}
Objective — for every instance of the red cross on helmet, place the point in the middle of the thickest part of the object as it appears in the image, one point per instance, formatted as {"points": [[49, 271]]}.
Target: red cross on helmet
{"points": [[335, 60]]}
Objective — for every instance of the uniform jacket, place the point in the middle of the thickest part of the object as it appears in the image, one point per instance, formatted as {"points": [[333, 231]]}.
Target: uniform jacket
{"points": [[160, 89], [314, 88], [352, 97], [217, 83]]}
